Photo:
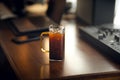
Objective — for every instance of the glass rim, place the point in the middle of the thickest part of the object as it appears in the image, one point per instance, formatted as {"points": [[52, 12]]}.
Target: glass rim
{"points": [[56, 26]]}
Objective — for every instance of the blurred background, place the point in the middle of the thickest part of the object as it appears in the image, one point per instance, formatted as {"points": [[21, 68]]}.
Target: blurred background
{"points": [[93, 12]]}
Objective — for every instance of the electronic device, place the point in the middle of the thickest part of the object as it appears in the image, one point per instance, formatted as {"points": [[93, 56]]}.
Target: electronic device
{"points": [[105, 38], [30, 25], [24, 39], [23, 26], [28, 29]]}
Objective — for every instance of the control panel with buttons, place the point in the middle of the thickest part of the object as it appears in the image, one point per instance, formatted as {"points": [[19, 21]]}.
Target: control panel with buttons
{"points": [[105, 38]]}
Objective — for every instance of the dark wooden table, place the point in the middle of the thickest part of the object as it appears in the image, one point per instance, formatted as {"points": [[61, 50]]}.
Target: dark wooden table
{"points": [[81, 60]]}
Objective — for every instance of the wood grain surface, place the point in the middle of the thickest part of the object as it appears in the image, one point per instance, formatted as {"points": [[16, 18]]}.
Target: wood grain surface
{"points": [[81, 61]]}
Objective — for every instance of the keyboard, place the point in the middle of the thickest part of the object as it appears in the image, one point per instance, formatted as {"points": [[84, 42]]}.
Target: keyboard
{"points": [[105, 38]]}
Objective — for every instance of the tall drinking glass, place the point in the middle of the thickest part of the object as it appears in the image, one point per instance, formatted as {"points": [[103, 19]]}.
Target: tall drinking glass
{"points": [[56, 42]]}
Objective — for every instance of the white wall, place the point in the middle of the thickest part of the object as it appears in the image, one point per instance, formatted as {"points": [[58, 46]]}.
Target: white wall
{"points": [[117, 13], [74, 5]]}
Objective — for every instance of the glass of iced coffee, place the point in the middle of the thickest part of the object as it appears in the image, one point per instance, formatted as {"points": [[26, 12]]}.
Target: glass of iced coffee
{"points": [[56, 42]]}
